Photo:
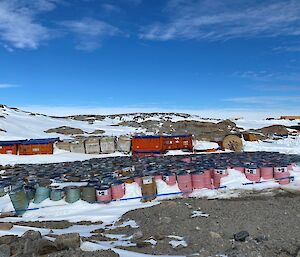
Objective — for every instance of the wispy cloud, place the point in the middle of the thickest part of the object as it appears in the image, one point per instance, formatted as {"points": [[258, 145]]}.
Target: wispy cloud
{"points": [[221, 20], [2, 86], [268, 76], [90, 32], [110, 8], [275, 88], [265, 100], [287, 48], [18, 25]]}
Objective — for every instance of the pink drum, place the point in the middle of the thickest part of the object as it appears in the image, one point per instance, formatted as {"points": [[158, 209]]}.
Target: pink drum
{"points": [[241, 169], [185, 183], [253, 174], [198, 180], [218, 174], [138, 180], [117, 190], [103, 194], [170, 179], [207, 179], [158, 177], [266, 172], [281, 173]]}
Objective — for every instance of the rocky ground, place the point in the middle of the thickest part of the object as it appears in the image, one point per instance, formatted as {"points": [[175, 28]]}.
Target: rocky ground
{"points": [[273, 224], [32, 244], [269, 223]]}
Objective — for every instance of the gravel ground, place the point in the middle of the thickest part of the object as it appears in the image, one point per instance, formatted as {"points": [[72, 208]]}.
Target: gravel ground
{"points": [[273, 224]]}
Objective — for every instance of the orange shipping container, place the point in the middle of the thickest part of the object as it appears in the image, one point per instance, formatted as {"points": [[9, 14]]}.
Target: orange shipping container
{"points": [[33, 149], [147, 144], [9, 149], [180, 142], [161, 144]]}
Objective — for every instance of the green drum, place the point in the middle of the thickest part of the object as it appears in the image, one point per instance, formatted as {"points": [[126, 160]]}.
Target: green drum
{"points": [[88, 194], [56, 194], [41, 194], [72, 194], [20, 201]]}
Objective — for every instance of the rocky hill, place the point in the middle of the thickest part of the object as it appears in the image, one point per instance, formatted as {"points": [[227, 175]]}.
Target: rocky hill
{"points": [[19, 124]]}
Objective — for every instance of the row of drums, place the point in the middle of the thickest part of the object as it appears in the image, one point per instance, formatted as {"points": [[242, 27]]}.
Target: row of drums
{"points": [[187, 182]]}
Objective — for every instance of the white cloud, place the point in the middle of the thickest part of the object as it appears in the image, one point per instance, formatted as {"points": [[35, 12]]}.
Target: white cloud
{"points": [[268, 76], [2, 86], [278, 88], [18, 25], [110, 8], [265, 100], [90, 32], [287, 48], [219, 20]]}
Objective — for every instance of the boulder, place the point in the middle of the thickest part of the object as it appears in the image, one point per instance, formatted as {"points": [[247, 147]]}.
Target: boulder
{"points": [[46, 247], [67, 241], [4, 250], [7, 240], [5, 226], [241, 236], [32, 234]]}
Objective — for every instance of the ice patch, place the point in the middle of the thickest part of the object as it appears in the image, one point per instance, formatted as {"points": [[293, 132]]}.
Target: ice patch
{"points": [[199, 214]]}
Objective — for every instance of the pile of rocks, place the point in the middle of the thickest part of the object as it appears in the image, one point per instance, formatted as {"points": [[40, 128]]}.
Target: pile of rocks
{"points": [[32, 244]]}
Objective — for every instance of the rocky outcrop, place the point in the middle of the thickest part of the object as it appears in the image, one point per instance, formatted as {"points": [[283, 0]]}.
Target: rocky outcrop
{"points": [[32, 244], [65, 130]]}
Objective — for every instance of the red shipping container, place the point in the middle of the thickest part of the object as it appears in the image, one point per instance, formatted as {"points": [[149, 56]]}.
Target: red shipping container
{"points": [[147, 145], [9, 149], [34, 149], [180, 142], [144, 145]]}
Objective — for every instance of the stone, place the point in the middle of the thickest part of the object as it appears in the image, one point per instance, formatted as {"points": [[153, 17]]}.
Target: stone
{"points": [[142, 244], [98, 231], [260, 239], [7, 240], [67, 241], [4, 250], [46, 247], [241, 236], [137, 235], [165, 220], [215, 235], [29, 246], [5, 226], [32, 234]]}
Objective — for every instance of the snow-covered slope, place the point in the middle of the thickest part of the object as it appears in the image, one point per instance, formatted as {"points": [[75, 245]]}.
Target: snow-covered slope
{"points": [[18, 124]]}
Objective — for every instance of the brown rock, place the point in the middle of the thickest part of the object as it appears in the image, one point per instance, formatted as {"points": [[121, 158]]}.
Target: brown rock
{"points": [[67, 241], [6, 226]]}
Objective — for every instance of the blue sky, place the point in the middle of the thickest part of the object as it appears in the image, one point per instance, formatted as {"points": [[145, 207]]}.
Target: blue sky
{"points": [[163, 54]]}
